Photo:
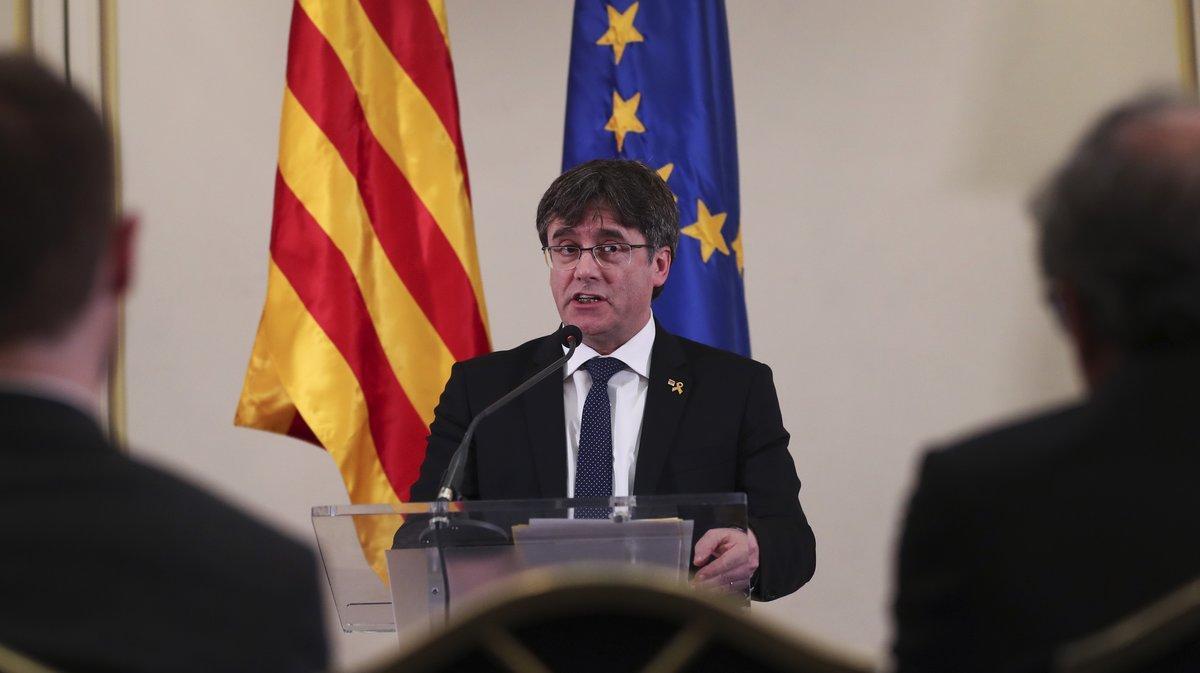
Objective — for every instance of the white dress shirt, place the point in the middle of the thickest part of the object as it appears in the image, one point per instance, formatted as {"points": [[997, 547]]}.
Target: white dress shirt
{"points": [[627, 397]]}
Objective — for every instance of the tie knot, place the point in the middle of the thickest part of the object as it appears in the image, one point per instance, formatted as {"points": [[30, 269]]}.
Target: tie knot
{"points": [[602, 369]]}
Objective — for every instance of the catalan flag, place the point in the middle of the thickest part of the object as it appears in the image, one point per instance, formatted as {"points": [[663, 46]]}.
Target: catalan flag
{"points": [[373, 287], [652, 81]]}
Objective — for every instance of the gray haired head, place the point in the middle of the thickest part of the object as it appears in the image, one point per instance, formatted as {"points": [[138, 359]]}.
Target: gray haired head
{"points": [[1120, 222]]}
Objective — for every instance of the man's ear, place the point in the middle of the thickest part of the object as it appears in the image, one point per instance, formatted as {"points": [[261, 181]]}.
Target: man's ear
{"points": [[1096, 355], [662, 265], [122, 255], [1071, 311]]}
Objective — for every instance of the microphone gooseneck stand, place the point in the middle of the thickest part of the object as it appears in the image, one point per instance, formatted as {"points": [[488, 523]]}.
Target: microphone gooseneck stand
{"points": [[471, 532]]}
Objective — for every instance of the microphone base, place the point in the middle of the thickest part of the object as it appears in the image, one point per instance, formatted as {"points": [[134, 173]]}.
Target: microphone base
{"points": [[463, 533]]}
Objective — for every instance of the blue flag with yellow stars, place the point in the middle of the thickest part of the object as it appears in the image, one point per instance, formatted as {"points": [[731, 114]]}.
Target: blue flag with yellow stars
{"points": [[651, 81]]}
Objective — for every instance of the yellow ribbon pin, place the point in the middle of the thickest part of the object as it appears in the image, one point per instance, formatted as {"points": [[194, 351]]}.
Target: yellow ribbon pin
{"points": [[676, 386]]}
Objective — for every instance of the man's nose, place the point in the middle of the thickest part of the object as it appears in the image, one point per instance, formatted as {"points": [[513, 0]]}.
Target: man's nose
{"points": [[587, 267]]}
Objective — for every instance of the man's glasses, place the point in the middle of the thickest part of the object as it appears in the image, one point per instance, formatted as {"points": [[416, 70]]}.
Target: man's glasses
{"points": [[565, 257]]}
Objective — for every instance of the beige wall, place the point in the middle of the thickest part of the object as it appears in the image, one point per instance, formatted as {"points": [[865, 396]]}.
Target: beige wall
{"points": [[8, 36], [886, 149]]}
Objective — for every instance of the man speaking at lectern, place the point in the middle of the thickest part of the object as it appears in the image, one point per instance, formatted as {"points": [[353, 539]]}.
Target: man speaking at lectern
{"points": [[675, 417]]}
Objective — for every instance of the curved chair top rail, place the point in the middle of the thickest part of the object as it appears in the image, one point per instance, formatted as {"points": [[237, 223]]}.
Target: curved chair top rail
{"points": [[1138, 639], [700, 620], [12, 661]]}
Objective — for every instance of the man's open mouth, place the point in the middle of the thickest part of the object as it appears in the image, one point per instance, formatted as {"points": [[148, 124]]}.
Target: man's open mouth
{"points": [[585, 298]]}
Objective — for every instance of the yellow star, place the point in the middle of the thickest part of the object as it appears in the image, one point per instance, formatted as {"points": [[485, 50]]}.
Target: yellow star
{"points": [[624, 118], [665, 174], [707, 230], [620, 30], [738, 251]]}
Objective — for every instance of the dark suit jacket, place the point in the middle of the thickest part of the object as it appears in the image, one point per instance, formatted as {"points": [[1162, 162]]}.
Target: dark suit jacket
{"points": [[111, 565], [1038, 533], [723, 434]]}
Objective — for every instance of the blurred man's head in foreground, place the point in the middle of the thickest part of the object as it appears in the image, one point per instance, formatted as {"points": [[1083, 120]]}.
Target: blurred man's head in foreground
{"points": [[64, 253], [1119, 233]]}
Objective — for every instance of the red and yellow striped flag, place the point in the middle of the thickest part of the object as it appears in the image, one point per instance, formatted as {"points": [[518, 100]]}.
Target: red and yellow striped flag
{"points": [[373, 289]]}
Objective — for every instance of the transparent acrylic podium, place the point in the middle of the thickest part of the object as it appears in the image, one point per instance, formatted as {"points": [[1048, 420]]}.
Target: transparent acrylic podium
{"points": [[485, 542]]}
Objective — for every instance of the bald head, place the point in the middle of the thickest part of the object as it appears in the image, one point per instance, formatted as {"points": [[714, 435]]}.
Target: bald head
{"points": [[1119, 223], [1170, 132]]}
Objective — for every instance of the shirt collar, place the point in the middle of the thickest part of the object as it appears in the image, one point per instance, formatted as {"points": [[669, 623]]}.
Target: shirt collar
{"points": [[635, 353], [52, 388]]}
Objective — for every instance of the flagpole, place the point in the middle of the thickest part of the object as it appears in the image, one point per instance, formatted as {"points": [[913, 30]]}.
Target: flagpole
{"points": [[23, 24], [117, 428], [1185, 24]]}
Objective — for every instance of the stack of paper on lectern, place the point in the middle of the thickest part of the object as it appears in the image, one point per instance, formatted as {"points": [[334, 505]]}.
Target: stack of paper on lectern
{"points": [[664, 543]]}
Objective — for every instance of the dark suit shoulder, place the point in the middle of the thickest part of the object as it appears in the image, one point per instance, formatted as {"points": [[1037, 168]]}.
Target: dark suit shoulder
{"points": [[221, 521], [518, 356], [1013, 451], [204, 586], [703, 356], [141, 503]]}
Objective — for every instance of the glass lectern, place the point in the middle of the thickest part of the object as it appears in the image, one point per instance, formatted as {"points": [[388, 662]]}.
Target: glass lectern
{"points": [[414, 564]]}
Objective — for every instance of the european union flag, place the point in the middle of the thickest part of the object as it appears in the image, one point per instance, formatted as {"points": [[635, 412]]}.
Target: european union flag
{"points": [[651, 81]]}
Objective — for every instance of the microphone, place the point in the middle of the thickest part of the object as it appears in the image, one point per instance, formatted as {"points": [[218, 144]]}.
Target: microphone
{"points": [[569, 337], [471, 532]]}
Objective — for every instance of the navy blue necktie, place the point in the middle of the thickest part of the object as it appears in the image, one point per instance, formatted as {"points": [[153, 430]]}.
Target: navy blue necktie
{"points": [[594, 463]]}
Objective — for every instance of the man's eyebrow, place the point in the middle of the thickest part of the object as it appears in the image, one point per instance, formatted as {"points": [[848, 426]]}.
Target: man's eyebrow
{"points": [[603, 232], [611, 233]]}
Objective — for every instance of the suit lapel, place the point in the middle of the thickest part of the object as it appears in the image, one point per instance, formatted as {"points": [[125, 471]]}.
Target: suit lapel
{"points": [[546, 423], [666, 399]]}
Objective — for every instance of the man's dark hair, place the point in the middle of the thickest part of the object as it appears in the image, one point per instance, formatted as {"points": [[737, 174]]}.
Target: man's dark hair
{"points": [[635, 195], [56, 200], [1120, 221]]}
